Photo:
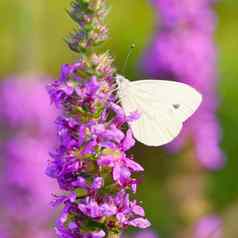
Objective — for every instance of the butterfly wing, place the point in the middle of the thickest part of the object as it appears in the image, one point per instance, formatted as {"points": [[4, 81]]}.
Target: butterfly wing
{"points": [[163, 107]]}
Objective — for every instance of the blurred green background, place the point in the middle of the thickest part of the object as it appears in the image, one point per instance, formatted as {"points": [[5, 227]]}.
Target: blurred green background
{"points": [[32, 40]]}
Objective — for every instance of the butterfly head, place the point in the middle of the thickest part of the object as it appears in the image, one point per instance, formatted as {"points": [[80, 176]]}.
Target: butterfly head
{"points": [[122, 82]]}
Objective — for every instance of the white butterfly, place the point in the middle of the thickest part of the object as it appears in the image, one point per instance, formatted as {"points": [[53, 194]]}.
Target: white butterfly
{"points": [[163, 107]]}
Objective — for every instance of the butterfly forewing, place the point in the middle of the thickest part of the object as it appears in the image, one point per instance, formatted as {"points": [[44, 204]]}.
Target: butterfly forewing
{"points": [[181, 98]]}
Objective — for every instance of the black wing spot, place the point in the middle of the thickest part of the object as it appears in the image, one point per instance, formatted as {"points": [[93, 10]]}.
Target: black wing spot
{"points": [[176, 106]]}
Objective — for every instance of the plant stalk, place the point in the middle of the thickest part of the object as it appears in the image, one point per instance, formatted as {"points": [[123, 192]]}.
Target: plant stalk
{"points": [[113, 235]]}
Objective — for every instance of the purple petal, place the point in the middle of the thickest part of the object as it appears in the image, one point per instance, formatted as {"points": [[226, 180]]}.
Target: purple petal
{"points": [[108, 210], [98, 234], [80, 182], [106, 160], [97, 183], [121, 174], [138, 210], [140, 223], [133, 165], [129, 141]]}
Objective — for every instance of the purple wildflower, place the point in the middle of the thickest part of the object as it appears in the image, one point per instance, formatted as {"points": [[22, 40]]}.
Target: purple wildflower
{"points": [[122, 167], [91, 163], [183, 50]]}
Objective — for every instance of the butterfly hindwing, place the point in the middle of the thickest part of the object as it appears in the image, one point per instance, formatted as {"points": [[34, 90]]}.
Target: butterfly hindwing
{"points": [[154, 127]]}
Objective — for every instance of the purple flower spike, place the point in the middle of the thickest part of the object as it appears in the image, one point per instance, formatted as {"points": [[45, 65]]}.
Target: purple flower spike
{"points": [[90, 163]]}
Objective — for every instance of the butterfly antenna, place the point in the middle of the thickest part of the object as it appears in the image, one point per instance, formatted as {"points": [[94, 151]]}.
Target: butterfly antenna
{"points": [[127, 57]]}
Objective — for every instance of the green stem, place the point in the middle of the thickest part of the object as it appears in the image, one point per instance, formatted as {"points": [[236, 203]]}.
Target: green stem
{"points": [[113, 235]]}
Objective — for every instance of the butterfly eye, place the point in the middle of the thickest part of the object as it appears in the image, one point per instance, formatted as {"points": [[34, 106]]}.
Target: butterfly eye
{"points": [[119, 80], [176, 106]]}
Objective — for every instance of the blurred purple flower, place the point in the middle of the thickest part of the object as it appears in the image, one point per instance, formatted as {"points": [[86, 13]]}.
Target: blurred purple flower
{"points": [[146, 234], [142, 234], [183, 50], [41, 233], [209, 227], [24, 178], [185, 13], [3, 232], [25, 189], [25, 104]]}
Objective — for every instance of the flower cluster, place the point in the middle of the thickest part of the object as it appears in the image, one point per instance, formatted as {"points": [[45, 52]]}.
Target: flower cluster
{"points": [[183, 50], [91, 163], [90, 31], [27, 137]]}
